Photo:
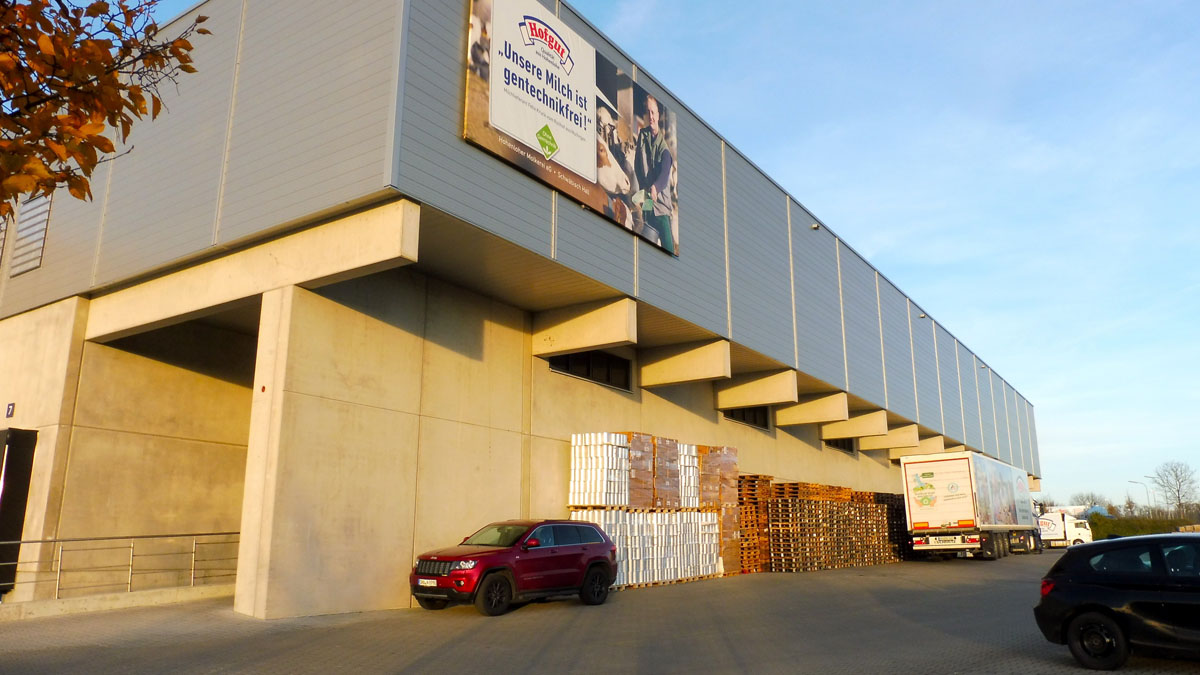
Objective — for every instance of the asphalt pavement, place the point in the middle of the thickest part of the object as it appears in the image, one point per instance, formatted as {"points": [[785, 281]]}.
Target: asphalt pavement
{"points": [[958, 616]]}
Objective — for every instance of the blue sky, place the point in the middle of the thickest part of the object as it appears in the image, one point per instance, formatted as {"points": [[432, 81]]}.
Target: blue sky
{"points": [[1029, 172]]}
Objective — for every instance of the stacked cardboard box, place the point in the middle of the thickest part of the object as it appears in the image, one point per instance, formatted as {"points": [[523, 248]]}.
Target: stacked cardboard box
{"points": [[719, 491], [599, 470], [641, 470], [666, 473], [659, 546], [652, 511], [689, 476]]}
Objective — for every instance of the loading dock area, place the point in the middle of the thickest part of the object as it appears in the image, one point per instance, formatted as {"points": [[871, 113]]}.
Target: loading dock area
{"points": [[879, 619]]}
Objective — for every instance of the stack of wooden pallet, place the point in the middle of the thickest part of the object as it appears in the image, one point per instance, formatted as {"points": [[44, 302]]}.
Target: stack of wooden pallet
{"points": [[754, 497], [814, 527]]}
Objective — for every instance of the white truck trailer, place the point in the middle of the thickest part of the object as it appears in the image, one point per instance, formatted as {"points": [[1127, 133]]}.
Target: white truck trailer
{"points": [[1063, 529], [965, 503]]}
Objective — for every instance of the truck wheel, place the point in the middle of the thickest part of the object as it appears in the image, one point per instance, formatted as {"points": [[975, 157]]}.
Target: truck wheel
{"points": [[1097, 642], [494, 595], [595, 587], [1077, 542]]}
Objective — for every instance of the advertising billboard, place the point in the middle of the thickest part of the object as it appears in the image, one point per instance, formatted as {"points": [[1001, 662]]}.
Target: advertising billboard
{"points": [[543, 99]]}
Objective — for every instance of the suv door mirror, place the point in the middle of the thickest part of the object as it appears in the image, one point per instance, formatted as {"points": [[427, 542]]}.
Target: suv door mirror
{"points": [[531, 543]]}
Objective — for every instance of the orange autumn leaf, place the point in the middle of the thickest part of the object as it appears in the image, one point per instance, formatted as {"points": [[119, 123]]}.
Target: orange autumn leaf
{"points": [[69, 71]]}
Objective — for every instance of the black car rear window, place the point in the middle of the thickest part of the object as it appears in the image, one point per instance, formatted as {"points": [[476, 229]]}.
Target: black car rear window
{"points": [[1129, 560]]}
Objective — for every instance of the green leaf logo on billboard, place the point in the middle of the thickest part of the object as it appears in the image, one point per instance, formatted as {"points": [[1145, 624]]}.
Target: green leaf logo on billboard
{"points": [[545, 138]]}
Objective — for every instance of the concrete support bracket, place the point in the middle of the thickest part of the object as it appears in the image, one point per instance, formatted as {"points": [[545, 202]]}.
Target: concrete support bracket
{"points": [[580, 328], [859, 425], [677, 364], [905, 436], [818, 409], [755, 389], [933, 445]]}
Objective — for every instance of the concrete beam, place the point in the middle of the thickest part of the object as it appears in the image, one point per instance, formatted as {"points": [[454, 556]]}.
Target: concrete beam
{"points": [[580, 328], [814, 410], [957, 448], [858, 426], [692, 362], [754, 389], [359, 244], [906, 436], [1035, 484], [928, 446]]}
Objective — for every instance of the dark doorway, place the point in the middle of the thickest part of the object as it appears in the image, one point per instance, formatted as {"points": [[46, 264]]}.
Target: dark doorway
{"points": [[16, 469]]}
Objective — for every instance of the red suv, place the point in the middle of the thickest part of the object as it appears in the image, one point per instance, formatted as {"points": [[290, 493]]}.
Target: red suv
{"points": [[518, 560]]}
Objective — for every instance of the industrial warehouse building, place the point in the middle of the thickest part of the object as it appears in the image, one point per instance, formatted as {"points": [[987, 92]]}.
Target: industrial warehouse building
{"points": [[342, 303]]}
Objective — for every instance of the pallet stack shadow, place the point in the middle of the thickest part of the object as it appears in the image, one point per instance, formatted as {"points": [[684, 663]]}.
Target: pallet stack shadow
{"points": [[651, 495], [816, 527]]}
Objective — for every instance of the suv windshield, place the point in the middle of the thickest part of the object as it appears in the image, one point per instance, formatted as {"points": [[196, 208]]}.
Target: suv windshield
{"points": [[497, 535]]}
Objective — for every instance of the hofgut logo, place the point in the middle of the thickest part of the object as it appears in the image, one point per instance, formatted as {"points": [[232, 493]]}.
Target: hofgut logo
{"points": [[534, 29], [545, 139]]}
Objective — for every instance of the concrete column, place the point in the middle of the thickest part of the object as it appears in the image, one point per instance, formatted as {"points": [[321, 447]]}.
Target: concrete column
{"points": [[328, 511], [40, 353]]}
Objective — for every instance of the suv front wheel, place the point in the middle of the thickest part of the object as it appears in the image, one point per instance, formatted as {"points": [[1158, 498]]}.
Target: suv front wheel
{"points": [[595, 586], [494, 595]]}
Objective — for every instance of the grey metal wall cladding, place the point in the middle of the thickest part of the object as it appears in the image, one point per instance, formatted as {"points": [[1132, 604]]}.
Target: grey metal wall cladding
{"points": [[897, 350], [1037, 457], [864, 353], [691, 286], [1016, 447], [591, 244], [818, 302], [929, 406], [987, 411], [161, 201], [759, 269], [952, 415], [1003, 449], [437, 166], [70, 252], [327, 111], [29, 235], [970, 396], [1026, 432]]}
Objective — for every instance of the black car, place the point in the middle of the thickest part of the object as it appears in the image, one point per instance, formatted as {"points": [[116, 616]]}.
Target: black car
{"points": [[1105, 597]]}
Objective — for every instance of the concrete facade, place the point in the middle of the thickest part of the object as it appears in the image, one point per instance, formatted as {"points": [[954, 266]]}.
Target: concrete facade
{"points": [[353, 367]]}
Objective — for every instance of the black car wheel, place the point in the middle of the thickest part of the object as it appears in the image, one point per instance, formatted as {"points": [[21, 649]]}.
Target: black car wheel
{"points": [[432, 603], [1097, 642], [494, 595], [595, 587]]}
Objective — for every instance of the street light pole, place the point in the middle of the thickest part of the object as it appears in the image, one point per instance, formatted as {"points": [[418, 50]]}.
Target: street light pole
{"points": [[1149, 499], [1164, 492]]}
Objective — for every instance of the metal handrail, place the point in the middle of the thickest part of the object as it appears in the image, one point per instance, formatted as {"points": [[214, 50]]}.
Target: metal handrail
{"points": [[198, 567]]}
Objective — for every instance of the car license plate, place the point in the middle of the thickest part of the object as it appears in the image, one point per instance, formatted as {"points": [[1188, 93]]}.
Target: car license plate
{"points": [[945, 540], [427, 582]]}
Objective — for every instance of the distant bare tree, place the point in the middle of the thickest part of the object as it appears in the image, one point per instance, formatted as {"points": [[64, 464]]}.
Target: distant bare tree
{"points": [[1130, 508], [1088, 499], [1177, 482]]}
